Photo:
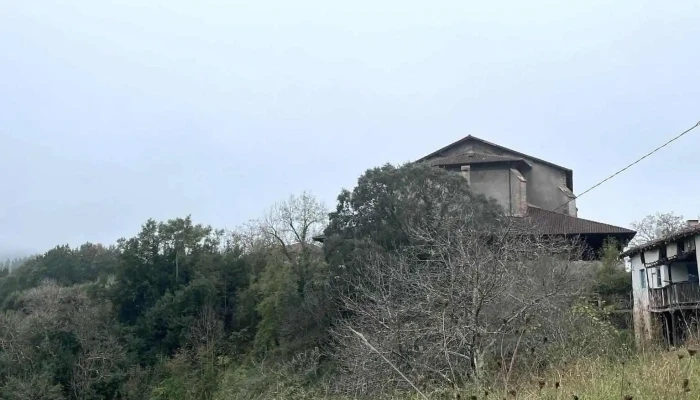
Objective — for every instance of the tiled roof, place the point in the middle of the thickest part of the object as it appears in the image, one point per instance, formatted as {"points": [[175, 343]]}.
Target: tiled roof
{"points": [[554, 223], [692, 230], [473, 158], [547, 222]]}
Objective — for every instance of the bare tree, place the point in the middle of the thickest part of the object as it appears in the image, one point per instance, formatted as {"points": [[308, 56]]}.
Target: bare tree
{"points": [[291, 226], [463, 295], [291, 285], [289, 223], [295, 220], [206, 335], [656, 226]]}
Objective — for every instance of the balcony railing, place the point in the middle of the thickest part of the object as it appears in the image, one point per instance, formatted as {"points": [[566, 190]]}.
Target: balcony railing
{"points": [[682, 294]]}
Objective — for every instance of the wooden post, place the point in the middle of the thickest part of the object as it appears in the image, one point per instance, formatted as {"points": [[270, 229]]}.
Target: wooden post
{"points": [[672, 337]]}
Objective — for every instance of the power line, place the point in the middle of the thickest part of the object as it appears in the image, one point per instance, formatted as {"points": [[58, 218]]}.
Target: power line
{"points": [[630, 165]]}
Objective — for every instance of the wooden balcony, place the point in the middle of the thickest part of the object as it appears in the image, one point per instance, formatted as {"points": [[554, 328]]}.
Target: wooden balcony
{"points": [[680, 295]]}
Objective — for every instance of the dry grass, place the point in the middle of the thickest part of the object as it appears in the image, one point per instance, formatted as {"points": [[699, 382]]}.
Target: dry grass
{"points": [[654, 375], [669, 375]]}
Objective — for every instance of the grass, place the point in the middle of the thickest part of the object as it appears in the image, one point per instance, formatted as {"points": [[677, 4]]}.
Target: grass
{"points": [[653, 375], [659, 375]]}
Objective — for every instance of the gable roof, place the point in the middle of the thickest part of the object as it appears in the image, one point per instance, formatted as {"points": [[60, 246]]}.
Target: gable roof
{"points": [[569, 173], [689, 231], [554, 223]]}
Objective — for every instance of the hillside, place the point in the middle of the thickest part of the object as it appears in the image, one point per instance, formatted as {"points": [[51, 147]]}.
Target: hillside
{"points": [[396, 303]]}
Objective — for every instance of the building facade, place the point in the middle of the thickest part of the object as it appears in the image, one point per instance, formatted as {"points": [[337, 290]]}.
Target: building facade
{"points": [[526, 187], [514, 179], [665, 286]]}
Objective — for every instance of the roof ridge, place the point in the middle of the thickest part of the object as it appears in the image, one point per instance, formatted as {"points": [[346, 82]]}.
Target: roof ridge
{"points": [[490, 144]]}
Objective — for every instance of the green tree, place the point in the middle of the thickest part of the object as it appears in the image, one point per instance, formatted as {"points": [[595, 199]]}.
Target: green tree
{"points": [[611, 279], [62, 264], [290, 291], [166, 275], [63, 344], [162, 257], [612, 287], [387, 200]]}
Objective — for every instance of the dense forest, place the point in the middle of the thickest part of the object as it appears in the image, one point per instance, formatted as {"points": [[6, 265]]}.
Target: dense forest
{"points": [[419, 286], [12, 263]]}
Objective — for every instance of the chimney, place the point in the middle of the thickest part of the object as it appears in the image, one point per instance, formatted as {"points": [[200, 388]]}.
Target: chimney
{"points": [[518, 194], [691, 223]]}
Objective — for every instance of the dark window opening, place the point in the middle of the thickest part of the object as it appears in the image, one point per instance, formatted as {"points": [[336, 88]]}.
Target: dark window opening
{"points": [[643, 278], [681, 247], [658, 278], [662, 252], [693, 272]]}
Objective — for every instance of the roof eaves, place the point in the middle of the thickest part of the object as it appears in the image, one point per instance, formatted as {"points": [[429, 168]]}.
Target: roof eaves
{"points": [[660, 241], [612, 229]]}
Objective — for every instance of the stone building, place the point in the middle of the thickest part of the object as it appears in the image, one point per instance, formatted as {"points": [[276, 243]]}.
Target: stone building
{"points": [[526, 187]]}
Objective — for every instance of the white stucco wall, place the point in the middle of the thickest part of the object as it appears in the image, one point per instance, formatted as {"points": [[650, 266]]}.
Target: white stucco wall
{"points": [[665, 277], [640, 307], [671, 249], [651, 255], [652, 276], [637, 266]]}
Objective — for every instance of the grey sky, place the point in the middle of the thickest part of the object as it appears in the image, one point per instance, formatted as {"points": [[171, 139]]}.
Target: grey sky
{"points": [[114, 112]]}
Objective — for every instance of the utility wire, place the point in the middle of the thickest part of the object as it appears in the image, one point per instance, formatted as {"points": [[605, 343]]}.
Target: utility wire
{"points": [[632, 164]]}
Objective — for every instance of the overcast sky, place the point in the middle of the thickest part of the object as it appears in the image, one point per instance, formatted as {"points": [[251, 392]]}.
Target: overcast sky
{"points": [[112, 112]]}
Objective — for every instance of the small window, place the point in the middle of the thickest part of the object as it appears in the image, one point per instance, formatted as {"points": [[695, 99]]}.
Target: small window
{"points": [[643, 278], [662, 252], [658, 278], [681, 247]]}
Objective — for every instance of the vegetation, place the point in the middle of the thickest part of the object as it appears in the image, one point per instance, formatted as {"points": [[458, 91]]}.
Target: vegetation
{"points": [[10, 264], [652, 375], [421, 289], [657, 226]]}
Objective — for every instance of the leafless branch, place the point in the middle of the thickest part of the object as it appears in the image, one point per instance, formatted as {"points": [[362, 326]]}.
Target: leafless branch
{"points": [[437, 307]]}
